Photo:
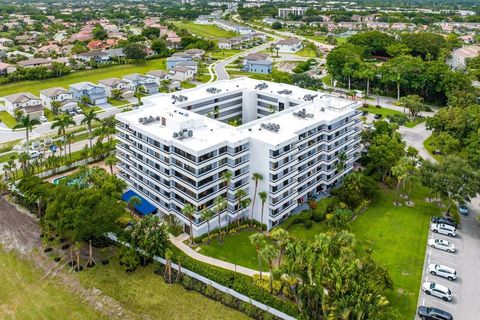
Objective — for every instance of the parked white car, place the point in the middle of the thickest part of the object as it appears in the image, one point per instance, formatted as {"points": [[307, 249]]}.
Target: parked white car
{"points": [[442, 245], [437, 290], [442, 271], [43, 119], [444, 229]]}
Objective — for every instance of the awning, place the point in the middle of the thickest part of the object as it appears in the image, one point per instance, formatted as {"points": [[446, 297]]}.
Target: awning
{"points": [[144, 208]]}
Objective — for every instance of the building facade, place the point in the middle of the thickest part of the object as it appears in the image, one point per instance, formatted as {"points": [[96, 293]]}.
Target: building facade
{"points": [[174, 150]]}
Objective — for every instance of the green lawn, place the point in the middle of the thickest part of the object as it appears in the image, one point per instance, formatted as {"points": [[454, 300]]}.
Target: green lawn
{"points": [[398, 238], [7, 119], [23, 295], [411, 123], [187, 85], [429, 146], [118, 103], [90, 75], [236, 249], [5, 157], [307, 53], [222, 54], [327, 79], [148, 296], [383, 111], [210, 32]]}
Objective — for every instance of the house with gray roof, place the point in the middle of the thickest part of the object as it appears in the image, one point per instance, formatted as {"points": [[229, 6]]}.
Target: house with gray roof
{"points": [[159, 76], [60, 95], [96, 56], [289, 45], [137, 81], [26, 102], [122, 86], [96, 94], [257, 63]]}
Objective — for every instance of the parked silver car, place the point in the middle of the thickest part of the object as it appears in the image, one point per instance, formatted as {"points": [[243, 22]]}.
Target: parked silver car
{"points": [[441, 244], [442, 271]]}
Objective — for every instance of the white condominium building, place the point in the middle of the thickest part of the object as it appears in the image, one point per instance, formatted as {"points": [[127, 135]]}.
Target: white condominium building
{"points": [[175, 148], [295, 11]]}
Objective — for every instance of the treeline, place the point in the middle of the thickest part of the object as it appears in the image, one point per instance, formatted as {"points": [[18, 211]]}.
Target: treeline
{"points": [[413, 63]]}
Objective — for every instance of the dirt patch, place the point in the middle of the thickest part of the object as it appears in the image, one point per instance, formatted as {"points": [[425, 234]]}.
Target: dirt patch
{"points": [[286, 66], [19, 231]]}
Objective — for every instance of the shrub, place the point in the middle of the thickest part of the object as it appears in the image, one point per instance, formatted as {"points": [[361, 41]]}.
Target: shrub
{"points": [[297, 219], [307, 224], [318, 216], [397, 118]]}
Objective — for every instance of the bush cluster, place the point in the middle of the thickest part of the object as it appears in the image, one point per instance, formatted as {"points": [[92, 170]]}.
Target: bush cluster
{"points": [[232, 229], [238, 282]]}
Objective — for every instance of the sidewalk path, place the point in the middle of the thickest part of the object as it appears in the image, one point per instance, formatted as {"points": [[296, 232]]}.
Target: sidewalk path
{"points": [[179, 243]]}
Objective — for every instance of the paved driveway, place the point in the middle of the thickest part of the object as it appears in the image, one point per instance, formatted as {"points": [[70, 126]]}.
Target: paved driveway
{"points": [[415, 137], [466, 260]]}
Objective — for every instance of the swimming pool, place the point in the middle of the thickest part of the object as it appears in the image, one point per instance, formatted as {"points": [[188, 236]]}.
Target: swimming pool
{"points": [[56, 181]]}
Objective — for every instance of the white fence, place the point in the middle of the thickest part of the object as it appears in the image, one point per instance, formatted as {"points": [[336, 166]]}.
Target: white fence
{"points": [[217, 286]]}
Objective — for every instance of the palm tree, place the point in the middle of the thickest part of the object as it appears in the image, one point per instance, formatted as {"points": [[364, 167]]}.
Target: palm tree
{"points": [[281, 236], [133, 202], [268, 254], [258, 239], [168, 265], [401, 172], [89, 117], [23, 159], [110, 161], [69, 139], [263, 196], [206, 215], [227, 178], [26, 123], [256, 177], [108, 127], [189, 211], [55, 107], [62, 123], [220, 204], [240, 194]]}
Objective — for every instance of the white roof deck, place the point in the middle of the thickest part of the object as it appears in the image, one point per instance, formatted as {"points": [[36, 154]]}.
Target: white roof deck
{"points": [[208, 132]]}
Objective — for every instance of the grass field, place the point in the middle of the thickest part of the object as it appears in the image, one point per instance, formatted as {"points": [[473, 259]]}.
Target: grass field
{"points": [[323, 39], [147, 294], [89, 75], [307, 53], [389, 112], [23, 295], [7, 119], [398, 238], [210, 32], [5, 157]]}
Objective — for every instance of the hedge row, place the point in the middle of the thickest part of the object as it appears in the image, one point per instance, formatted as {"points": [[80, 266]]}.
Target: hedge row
{"points": [[226, 299], [238, 282], [232, 229]]}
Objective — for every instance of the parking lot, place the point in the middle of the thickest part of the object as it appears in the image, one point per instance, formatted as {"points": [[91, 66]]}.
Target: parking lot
{"points": [[466, 261]]}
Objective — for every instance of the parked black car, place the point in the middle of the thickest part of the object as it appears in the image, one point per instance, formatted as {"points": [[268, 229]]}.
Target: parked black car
{"points": [[377, 116], [430, 313], [445, 220]]}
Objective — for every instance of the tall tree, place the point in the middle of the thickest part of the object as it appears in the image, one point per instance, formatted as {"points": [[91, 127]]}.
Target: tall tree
{"points": [[28, 124], [256, 177], [62, 123], [258, 240], [189, 212], [220, 205], [263, 197], [282, 238], [89, 117], [110, 161], [206, 215], [268, 253]]}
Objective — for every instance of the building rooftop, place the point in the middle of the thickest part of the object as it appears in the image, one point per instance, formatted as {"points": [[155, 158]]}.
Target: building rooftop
{"points": [[53, 92], [312, 107]]}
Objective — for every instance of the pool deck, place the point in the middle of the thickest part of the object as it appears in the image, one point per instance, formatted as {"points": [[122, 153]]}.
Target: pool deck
{"points": [[100, 164]]}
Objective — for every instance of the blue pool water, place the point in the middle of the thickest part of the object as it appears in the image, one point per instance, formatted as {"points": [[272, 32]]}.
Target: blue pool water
{"points": [[71, 182]]}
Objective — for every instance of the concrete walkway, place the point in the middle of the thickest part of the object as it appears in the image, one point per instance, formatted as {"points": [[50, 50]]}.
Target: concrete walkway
{"points": [[179, 243], [414, 137]]}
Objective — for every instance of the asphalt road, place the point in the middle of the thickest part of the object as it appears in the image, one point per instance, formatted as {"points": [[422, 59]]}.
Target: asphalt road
{"points": [[466, 260]]}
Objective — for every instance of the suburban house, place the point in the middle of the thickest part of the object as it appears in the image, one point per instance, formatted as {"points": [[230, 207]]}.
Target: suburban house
{"points": [[227, 25], [182, 73], [35, 62], [188, 64], [229, 44], [196, 54], [61, 95], [116, 84], [173, 60], [115, 53], [257, 63], [459, 57], [136, 80], [96, 56], [95, 94], [6, 69], [26, 102], [159, 76], [289, 45]]}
